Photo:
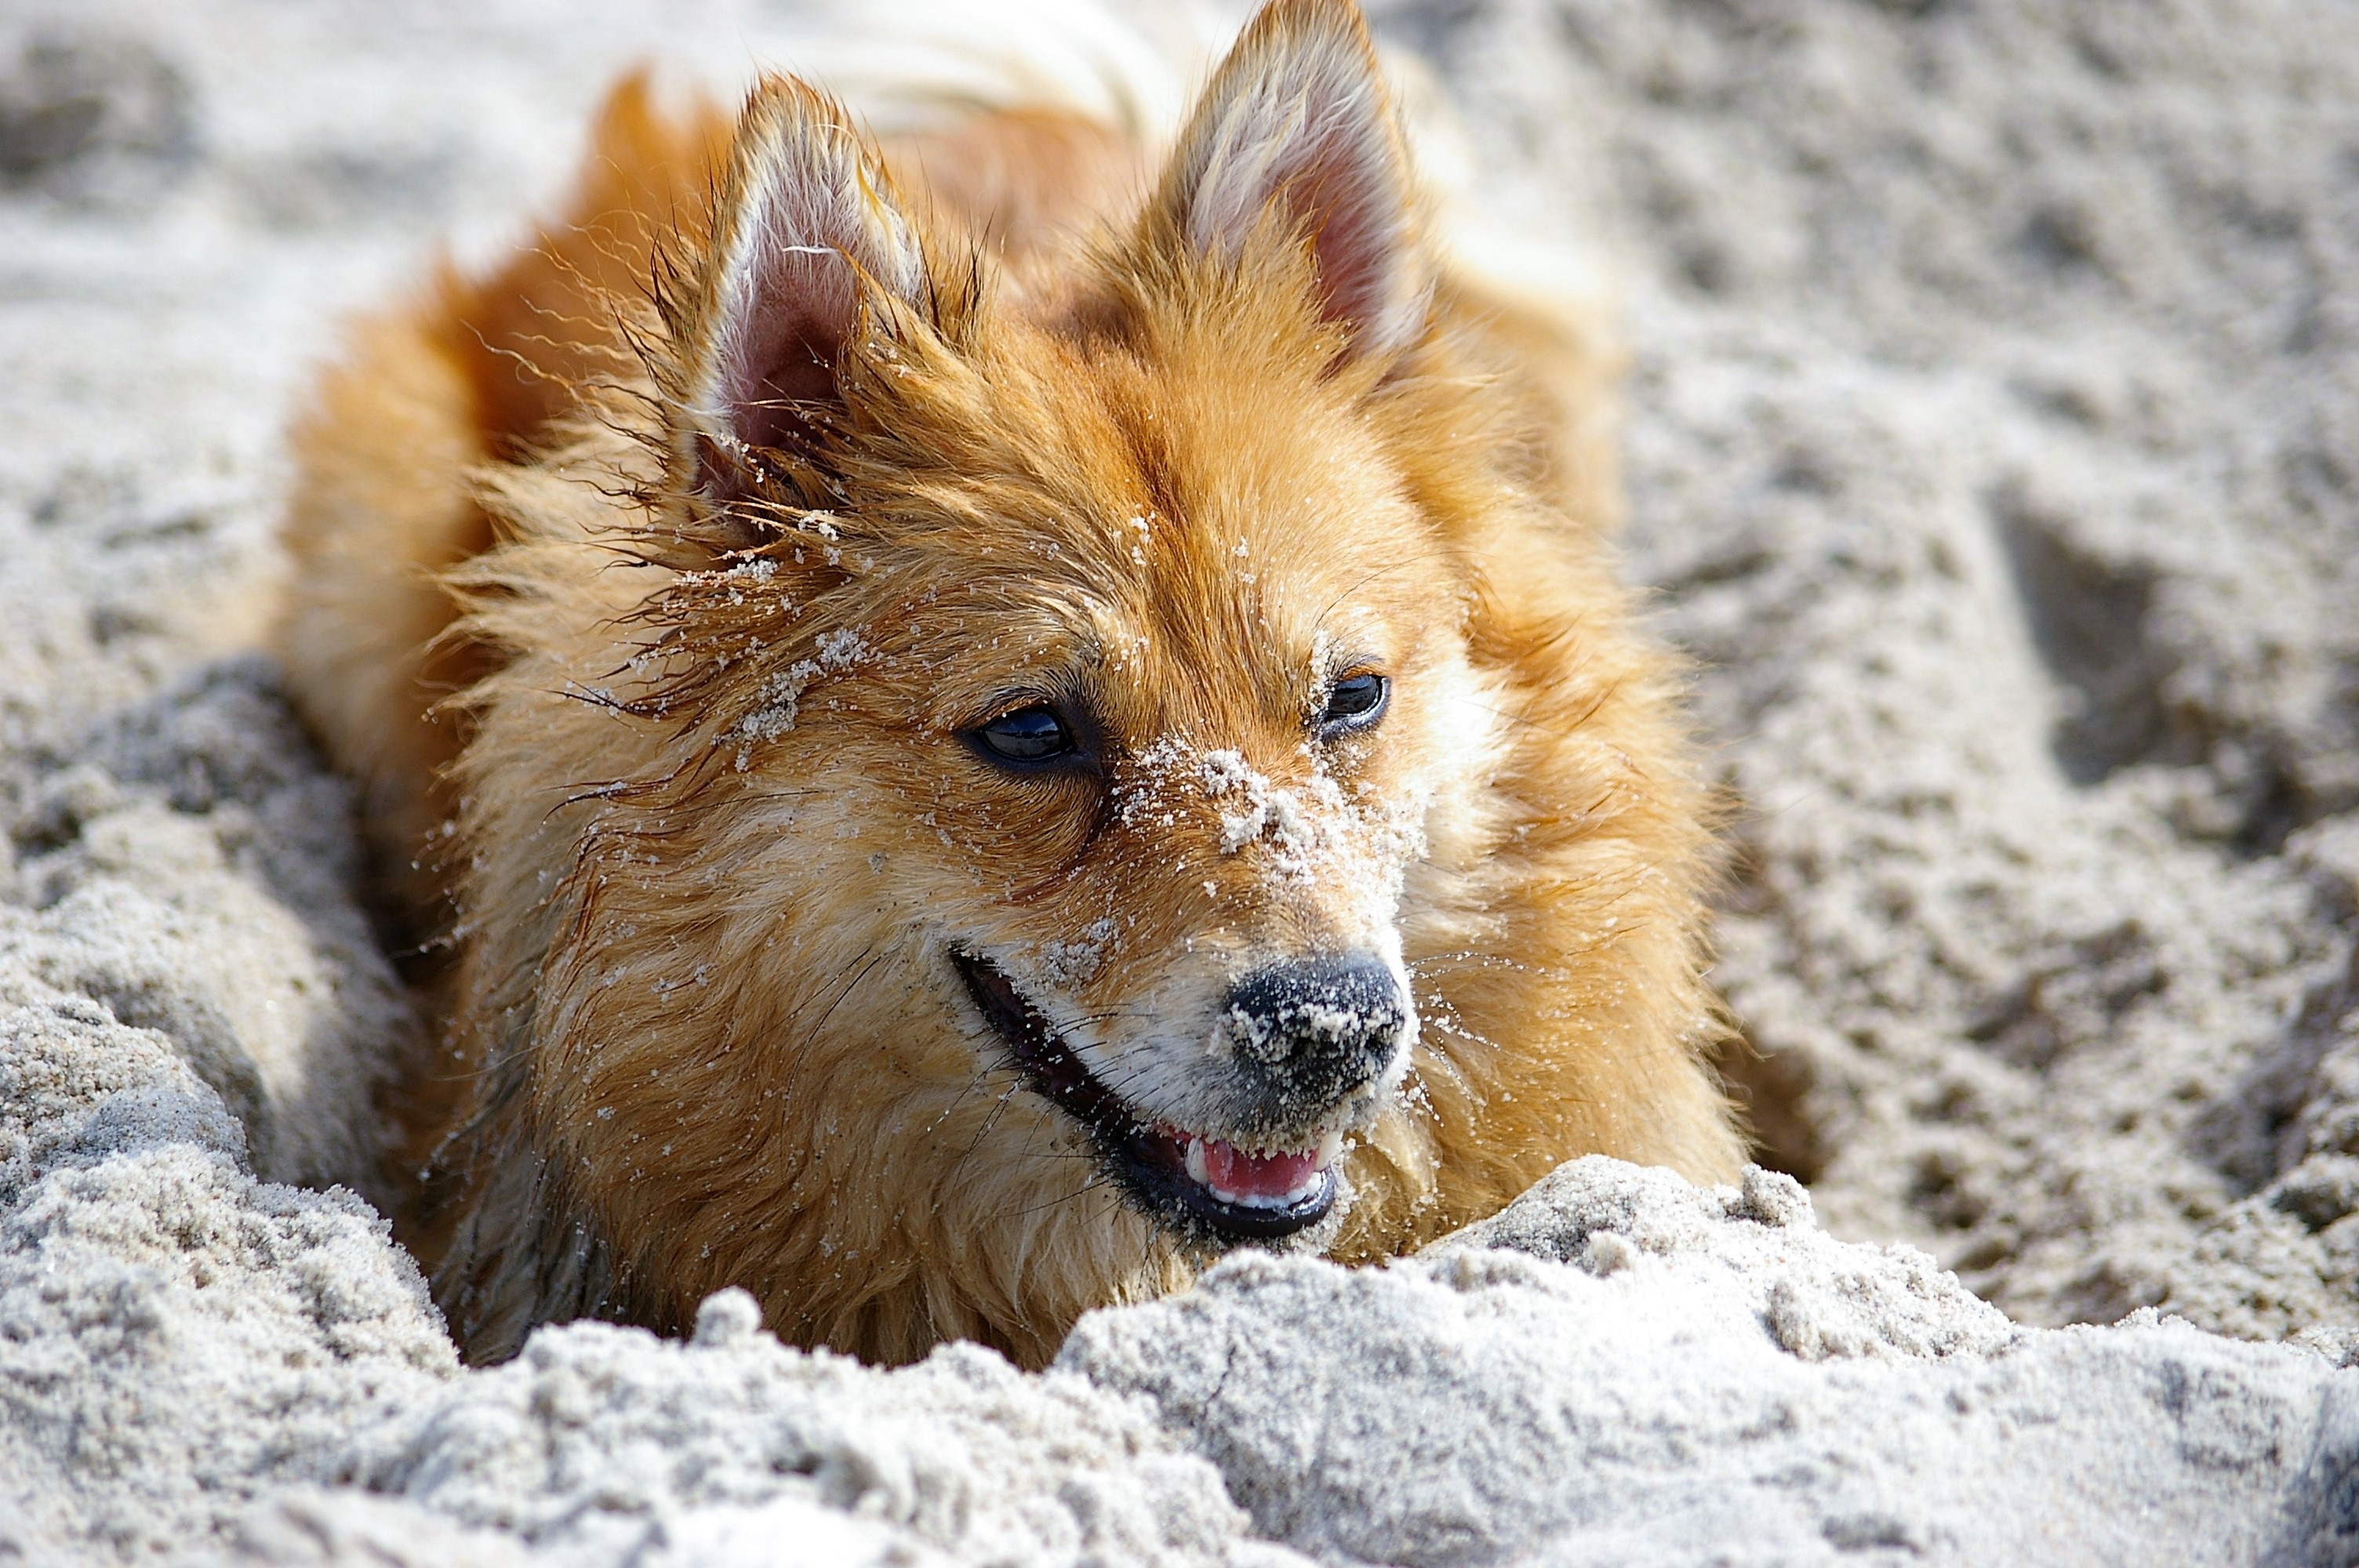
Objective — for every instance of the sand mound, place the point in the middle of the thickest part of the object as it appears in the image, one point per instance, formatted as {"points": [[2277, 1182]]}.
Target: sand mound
{"points": [[1991, 441]]}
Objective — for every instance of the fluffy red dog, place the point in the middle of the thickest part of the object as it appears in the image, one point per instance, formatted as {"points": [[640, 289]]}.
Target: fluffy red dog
{"points": [[1026, 713]]}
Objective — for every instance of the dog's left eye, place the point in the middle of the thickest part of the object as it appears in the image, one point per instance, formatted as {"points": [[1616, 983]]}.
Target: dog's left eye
{"points": [[1033, 734], [1354, 703]]}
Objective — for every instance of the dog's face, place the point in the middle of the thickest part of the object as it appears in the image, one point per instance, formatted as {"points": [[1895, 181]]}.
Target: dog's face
{"points": [[1155, 721], [1120, 692]]}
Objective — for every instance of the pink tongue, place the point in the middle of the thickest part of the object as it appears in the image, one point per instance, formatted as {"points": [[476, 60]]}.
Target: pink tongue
{"points": [[1231, 1173]]}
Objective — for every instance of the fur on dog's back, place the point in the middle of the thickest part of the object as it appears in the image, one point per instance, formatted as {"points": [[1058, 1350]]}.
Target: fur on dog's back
{"points": [[664, 759]]}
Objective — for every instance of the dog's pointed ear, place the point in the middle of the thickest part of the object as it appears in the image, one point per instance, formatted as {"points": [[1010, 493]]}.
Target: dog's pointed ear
{"points": [[1297, 124], [808, 238]]}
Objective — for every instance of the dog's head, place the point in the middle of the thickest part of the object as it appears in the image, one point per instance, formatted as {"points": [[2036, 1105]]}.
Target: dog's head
{"points": [[1073, 694]]}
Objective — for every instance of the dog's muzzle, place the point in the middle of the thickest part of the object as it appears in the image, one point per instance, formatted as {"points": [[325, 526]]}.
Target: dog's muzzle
{"points": [[1307, 1042]]}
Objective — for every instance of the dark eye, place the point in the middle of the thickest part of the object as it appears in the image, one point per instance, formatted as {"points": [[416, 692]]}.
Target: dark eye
{"points": [[1028, 735], [1354, 703]]}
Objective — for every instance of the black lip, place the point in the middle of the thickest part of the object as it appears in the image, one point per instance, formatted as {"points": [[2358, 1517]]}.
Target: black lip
{"points": [[1146, 1159]]}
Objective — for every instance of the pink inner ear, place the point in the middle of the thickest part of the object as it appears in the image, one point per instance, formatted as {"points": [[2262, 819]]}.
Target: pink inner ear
{"points": [[796, 306], [1354, 213], [1297, 118]]}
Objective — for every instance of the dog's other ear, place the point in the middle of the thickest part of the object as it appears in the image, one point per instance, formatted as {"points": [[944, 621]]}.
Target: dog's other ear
{"points": [[807, 236], [1297, 124]]}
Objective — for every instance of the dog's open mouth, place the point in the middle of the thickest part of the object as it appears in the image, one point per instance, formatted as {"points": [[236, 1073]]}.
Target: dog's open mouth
{"points": [[1202, 1183]]}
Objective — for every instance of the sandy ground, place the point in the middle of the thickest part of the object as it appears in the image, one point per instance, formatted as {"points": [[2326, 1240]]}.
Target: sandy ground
{"points": [[1994, 440]]}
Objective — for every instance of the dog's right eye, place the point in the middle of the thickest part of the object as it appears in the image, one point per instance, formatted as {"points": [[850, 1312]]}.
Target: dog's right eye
{"points": [[1028, 735]]}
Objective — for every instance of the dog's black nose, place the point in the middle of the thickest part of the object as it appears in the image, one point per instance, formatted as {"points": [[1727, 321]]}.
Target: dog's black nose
{"points": [[1320, 1027]]}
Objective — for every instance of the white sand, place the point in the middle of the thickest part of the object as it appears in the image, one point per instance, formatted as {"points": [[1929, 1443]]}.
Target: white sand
{"points": [[1995, 437]]}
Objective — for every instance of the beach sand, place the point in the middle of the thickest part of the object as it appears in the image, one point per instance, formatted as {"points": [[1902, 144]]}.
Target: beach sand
{"points": [[1993, 441]]}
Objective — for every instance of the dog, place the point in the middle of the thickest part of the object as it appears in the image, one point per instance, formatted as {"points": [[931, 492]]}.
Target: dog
{"points": [[984, 716]]}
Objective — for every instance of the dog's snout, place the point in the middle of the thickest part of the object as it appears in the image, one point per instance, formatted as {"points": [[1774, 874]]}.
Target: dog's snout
{"points": [[1321, 1027]]}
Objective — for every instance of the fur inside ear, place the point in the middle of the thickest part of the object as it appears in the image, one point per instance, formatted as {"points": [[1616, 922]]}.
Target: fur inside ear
{"points": [[806, 226], [1297, 117]]}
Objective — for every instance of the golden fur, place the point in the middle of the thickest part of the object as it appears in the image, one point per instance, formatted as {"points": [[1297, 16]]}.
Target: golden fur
{"points": [[732, 506]]}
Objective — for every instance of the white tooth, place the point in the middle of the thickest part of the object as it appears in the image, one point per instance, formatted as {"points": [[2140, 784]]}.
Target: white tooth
{"points": [[1330, 1148], [1198, 1171]]}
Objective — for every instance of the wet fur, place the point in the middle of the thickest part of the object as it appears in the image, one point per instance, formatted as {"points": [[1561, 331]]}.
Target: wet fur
{"points": [[662, 736]]}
